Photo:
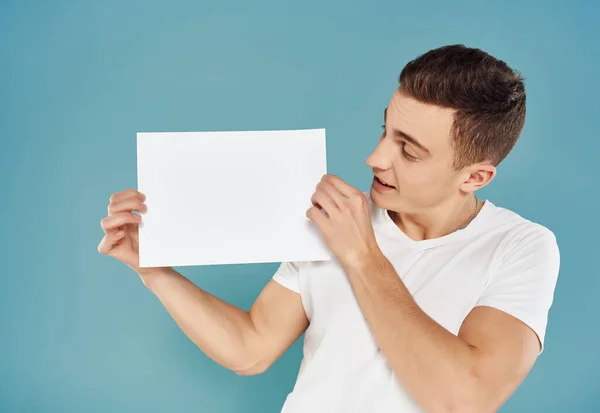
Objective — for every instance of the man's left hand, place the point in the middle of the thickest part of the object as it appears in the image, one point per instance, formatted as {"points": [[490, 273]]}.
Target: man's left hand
{"points": [[341, 212]]}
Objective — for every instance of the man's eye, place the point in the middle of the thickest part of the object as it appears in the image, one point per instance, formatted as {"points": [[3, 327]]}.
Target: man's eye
{"points": [[406, 154]]}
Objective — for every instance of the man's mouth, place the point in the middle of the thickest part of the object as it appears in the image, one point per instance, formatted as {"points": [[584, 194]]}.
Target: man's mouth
{"points": [[383, 183]]}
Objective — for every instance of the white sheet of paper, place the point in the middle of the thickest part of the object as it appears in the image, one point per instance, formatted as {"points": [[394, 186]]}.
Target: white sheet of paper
{"points": [[229, 197]]}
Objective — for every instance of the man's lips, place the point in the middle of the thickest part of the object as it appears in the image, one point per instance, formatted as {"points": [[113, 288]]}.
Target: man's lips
{"points": [[383, 182], [380, 182]]}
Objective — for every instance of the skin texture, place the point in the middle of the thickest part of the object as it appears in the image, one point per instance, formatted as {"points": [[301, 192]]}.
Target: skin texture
{"points": [[475, 371]]}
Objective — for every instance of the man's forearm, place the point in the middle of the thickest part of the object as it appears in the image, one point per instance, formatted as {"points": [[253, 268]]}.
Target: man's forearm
{"points": [[436, 366], [221, 330]]}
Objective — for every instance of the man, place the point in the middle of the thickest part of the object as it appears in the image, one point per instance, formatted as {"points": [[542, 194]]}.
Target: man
{"points": [[435, 301]]}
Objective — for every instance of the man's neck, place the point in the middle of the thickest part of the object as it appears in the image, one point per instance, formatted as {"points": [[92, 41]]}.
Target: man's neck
{"points": [[438, 221]]}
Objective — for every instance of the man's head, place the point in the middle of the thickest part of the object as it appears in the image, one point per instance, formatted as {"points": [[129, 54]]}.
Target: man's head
{"points": [[456, 115]]}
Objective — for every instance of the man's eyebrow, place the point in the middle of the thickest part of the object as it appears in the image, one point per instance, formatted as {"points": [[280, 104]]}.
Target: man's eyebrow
{"points": [[405, 136]]}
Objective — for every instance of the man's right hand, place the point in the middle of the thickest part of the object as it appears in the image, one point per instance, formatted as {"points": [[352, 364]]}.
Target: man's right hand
{"points": [[121, 228], [245, 342]]}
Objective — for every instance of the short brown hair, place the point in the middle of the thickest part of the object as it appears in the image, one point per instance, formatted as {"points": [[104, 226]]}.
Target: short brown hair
{"points": [[488, 96]]}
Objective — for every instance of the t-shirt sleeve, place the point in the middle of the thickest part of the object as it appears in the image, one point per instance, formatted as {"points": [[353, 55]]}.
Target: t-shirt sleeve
{"points": [[525, 283], [288, 275]]}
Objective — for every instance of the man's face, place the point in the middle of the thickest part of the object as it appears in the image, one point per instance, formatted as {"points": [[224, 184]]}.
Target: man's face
{"points": [[414, 156]]}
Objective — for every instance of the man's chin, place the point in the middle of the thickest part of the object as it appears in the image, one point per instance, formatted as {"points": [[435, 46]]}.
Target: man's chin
{"points": [[383, 199], [376, 197]]}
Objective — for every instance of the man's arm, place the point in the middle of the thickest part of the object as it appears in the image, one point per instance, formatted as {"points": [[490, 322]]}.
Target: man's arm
{"points": [[475, 371], [245, 342]]}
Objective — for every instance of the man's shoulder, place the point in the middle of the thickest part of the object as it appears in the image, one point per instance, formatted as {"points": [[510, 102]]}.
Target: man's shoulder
{"points": [[519, 231], [515, 222]]}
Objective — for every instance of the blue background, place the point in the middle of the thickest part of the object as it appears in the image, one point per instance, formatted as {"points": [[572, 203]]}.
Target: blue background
{"points": [[78, 330]]}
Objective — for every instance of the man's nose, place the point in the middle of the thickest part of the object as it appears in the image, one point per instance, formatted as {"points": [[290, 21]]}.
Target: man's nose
{"points": [[381, 157]]}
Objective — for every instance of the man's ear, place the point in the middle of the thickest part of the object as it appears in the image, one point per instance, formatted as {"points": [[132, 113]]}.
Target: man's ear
{"points": [[477, 176]]}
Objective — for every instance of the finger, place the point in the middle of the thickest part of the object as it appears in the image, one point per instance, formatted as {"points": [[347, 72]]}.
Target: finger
{"points": [[132, 203], [316, 216], [109, 241], [333, 193], [323, 200], [114, 221], [127, 193], [341, 186]]}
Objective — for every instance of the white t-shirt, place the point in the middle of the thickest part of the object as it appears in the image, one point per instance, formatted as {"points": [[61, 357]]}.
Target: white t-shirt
{"points": [[500, 260]]}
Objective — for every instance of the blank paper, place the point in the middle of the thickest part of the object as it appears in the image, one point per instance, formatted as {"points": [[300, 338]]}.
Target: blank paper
{"points": [[229, 197]]}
